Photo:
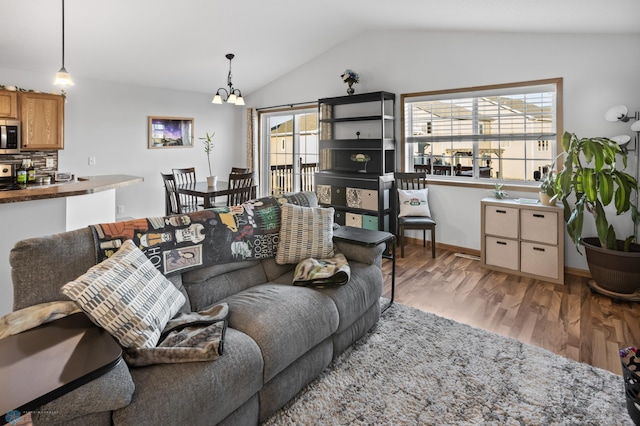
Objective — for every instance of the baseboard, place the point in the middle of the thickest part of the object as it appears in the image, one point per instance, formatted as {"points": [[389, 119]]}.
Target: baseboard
{"points": [[457, 249]]}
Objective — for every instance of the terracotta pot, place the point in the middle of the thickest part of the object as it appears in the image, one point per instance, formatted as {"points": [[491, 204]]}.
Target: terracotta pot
{"points": [[614, 270]]}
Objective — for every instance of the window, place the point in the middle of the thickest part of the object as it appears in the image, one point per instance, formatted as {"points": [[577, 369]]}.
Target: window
{"points": [[506, 132], [289, 149]]}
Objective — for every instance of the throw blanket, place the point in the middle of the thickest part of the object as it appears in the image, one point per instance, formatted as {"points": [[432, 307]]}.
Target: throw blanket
{"points": [[203, 238], [33, 316], [197, 336], [321, 273]]}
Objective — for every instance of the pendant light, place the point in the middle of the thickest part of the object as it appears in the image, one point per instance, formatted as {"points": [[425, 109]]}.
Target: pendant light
{"points": [[63, 78], [233, 96]]}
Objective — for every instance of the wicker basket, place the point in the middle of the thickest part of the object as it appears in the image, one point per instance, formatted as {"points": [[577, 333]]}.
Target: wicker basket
{"points": [[630, 359]]}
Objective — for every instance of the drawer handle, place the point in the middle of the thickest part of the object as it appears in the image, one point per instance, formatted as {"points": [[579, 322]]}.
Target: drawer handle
{"points": [[502, 243], [538, 215], [538, 249], [501, 211]]}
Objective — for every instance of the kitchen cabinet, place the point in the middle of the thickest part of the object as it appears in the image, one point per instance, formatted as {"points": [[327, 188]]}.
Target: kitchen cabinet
{"points": [[357, 158], [523, 239], [8, 104], [42, 118]]}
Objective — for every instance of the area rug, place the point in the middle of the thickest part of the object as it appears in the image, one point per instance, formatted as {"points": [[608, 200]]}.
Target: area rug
{"points": [[415, 368]]}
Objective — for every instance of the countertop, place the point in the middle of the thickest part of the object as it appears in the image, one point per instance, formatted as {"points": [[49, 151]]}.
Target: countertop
{"points": [[81, 186]]}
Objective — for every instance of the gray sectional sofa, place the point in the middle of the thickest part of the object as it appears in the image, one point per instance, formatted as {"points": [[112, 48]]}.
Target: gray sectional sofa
{"points": [[279, 336]]}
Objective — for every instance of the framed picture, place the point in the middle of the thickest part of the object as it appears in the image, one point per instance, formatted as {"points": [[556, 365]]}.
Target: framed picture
{"points": [[170, 132]]}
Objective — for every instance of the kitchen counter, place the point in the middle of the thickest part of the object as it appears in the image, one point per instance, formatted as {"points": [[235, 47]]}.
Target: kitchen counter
{"points": [[81, 186]]}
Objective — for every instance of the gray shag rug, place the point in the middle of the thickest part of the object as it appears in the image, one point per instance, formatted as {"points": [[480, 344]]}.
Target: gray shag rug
{"points": [[415, 368]]}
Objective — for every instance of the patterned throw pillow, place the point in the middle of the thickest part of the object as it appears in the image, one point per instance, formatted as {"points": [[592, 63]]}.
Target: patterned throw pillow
{"points": [[414, 202], [305, 232], [127, 296]]}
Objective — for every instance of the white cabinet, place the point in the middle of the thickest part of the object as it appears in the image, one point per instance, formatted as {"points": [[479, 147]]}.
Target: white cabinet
{"points": [[523, 239]]}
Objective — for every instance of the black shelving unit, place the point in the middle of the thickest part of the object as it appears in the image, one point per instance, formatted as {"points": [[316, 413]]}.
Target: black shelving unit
{"points": [[357, 158]]}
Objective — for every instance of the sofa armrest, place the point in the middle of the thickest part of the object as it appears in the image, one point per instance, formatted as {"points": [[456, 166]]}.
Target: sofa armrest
{"points": [[108, 392], [370, 255]]}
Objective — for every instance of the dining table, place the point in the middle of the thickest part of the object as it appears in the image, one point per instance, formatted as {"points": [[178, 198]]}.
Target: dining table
{"points": [[208, 193]]}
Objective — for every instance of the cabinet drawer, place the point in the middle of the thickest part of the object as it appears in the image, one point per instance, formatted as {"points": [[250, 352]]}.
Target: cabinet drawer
{"points": [[370, 222], [354, 197], [338, 195], [501, 221], [540, 226], [539, 259], [370, 199], [502, 252], [339, 218], [354, 219], [324, 194]]}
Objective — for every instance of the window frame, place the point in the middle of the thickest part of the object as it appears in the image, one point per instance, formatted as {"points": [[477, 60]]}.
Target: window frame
{"points": [[474, 181]]}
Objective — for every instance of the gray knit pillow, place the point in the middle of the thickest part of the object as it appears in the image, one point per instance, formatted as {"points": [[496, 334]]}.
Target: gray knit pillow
{"points": [[127, 296], [305, 232]]}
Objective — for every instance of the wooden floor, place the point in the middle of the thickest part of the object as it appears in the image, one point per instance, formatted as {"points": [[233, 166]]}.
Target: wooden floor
{"points": [[568, 319]]}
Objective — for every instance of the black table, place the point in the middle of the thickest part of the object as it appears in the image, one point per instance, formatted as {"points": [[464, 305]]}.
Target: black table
{"points": [[208, 193], [44, 363], [369, 237]]}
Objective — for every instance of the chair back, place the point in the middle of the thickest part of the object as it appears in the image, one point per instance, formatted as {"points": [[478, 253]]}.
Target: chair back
{"points": [[239, 170], [422, 168], [186, 176], [241, 187], [414, 180], [172, 204]]}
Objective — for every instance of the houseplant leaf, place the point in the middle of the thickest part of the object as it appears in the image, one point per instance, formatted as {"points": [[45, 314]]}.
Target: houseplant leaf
{"points": [[590, 184], [605, 187], [602, 225]]}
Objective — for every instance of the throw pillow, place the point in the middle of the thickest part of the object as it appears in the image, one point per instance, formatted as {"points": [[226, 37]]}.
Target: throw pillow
{"points": [[413, 202], [127, 296], [305, 232]]}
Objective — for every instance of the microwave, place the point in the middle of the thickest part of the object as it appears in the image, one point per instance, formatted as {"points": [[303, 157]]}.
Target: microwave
{"points": [[9, 136]]}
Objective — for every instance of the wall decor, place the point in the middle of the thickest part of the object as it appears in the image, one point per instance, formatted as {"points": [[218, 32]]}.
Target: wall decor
{"points": [[170, 132]]}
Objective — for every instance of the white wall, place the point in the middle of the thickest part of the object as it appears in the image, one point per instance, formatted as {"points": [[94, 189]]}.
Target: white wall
{"points": [[598, 70], [109, 121]]}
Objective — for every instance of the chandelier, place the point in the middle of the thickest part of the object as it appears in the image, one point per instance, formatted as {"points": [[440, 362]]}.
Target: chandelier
{"points": [[63, 78], [233, 96]]}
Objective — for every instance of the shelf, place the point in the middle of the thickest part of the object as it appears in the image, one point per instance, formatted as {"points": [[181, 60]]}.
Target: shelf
{"points": [[359, 98]]}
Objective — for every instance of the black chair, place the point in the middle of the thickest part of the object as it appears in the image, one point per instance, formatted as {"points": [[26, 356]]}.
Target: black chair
{"points": [[241, 185], [239, 170], [186, 176], [172, 205], [407, 181]]}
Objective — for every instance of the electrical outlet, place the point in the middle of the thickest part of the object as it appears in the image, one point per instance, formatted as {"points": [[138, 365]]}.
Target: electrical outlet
{"points": [[92, 161], [49, 163], [120, 209]]}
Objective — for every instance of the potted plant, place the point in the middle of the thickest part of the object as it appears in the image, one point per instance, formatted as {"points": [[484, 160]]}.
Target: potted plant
{"points": [[498, 192], [593, 174], [548, 193], [208, 148]]}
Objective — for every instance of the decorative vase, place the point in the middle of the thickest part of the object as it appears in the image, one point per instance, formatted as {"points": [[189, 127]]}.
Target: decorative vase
{"points": [[350, 90], [545, 200], [212, 181]]}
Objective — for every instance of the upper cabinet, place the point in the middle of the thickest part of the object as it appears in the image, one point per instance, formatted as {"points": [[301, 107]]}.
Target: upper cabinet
{"points": [[42, 118], [8, 104]]}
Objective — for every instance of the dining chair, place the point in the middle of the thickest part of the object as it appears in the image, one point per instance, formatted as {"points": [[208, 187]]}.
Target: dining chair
{"points": [[188, 203], [172, 204], [241, 187], [239, 170], [412, 208]]}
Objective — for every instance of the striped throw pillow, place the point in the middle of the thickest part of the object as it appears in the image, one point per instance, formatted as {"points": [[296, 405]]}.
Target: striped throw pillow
{"points": [[305, 232], [127, 296]]}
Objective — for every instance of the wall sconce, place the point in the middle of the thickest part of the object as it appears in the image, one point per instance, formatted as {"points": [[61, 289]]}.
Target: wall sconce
{"points": [[234, 96], [621, 113]]}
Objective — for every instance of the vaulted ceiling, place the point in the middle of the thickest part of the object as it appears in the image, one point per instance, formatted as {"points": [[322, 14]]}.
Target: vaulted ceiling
{"points": [[182, 44]]}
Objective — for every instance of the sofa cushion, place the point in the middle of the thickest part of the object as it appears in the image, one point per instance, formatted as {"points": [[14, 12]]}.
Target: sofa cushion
{"points": [[285, 321], [305, 232], [127, 296]]}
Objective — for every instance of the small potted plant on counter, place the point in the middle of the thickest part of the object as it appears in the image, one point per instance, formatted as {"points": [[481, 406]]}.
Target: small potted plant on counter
{"points": [[591, 180]]}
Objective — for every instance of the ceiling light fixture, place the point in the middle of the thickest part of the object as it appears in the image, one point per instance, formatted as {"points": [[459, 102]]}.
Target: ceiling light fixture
{"points": [[63, 78], [233, 96]]}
